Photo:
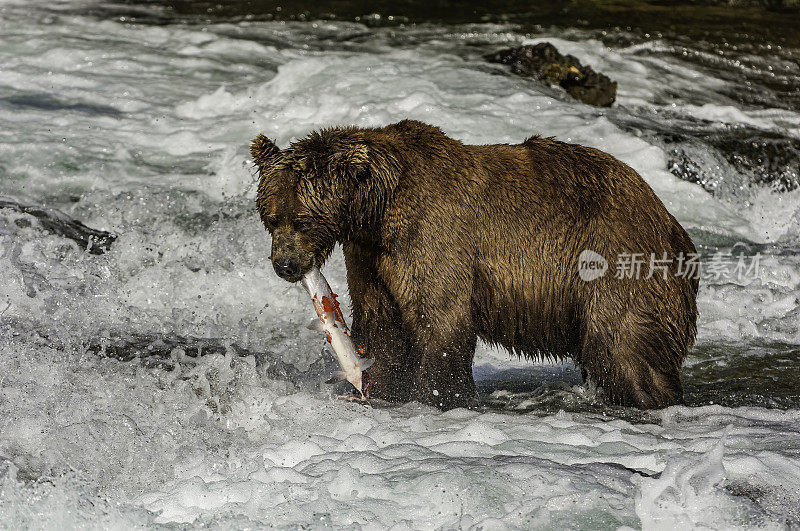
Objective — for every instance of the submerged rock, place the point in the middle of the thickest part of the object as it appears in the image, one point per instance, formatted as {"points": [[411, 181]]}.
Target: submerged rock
{"points": [[761, 158], [544, 62], [57, 222]]}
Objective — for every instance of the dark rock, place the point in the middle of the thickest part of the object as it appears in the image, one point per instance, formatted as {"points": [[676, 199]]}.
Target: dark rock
{"points": [[544, 62]]}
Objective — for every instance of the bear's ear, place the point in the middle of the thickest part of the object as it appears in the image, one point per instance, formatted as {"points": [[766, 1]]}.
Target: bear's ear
{"points": [[263, 150]]}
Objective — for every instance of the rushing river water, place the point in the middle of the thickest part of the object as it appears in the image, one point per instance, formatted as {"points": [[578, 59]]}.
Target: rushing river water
{"points": [[109, 418]]}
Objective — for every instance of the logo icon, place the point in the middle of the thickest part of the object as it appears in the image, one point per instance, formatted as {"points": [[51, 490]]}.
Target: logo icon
{"points": [[591, 265]]}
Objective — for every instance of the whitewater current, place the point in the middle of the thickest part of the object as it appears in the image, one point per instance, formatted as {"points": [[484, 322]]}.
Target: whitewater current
{"points": [[171, 380]]}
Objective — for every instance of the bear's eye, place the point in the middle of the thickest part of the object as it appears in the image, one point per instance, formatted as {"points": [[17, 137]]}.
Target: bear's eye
{"points": [[271, 222], [301, 225]]}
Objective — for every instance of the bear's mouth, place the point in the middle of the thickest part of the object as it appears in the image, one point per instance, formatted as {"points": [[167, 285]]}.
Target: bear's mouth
{"points": [[293, 278], [303, 271]]}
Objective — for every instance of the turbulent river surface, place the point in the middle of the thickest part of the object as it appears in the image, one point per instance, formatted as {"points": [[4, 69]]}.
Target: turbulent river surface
{"points": [[170, 381]]}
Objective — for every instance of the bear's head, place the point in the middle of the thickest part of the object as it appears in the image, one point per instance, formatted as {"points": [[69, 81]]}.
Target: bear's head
{"points": [[326, 188]]}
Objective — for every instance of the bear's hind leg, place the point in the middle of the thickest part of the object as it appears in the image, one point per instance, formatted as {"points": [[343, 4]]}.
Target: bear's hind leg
{"points": [[638, 368]]}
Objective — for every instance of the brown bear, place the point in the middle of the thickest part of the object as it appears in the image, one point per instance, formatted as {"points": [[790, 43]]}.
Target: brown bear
{"points": [[446, 243]]}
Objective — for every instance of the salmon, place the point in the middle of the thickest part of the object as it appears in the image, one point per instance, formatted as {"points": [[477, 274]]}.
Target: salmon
{"points": [[352, 360]]}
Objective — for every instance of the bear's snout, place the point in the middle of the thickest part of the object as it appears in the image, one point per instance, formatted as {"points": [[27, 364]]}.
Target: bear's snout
{"points": [[287, 268], [292, 253]]}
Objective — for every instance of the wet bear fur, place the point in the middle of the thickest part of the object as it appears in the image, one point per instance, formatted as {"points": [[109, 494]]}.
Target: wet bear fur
{"points": [[446, 243]]}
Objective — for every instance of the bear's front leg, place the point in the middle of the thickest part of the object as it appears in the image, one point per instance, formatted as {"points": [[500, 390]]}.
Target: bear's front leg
{"points": [[444, 374], [382, 337], [377, 326], [437, 314]]}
